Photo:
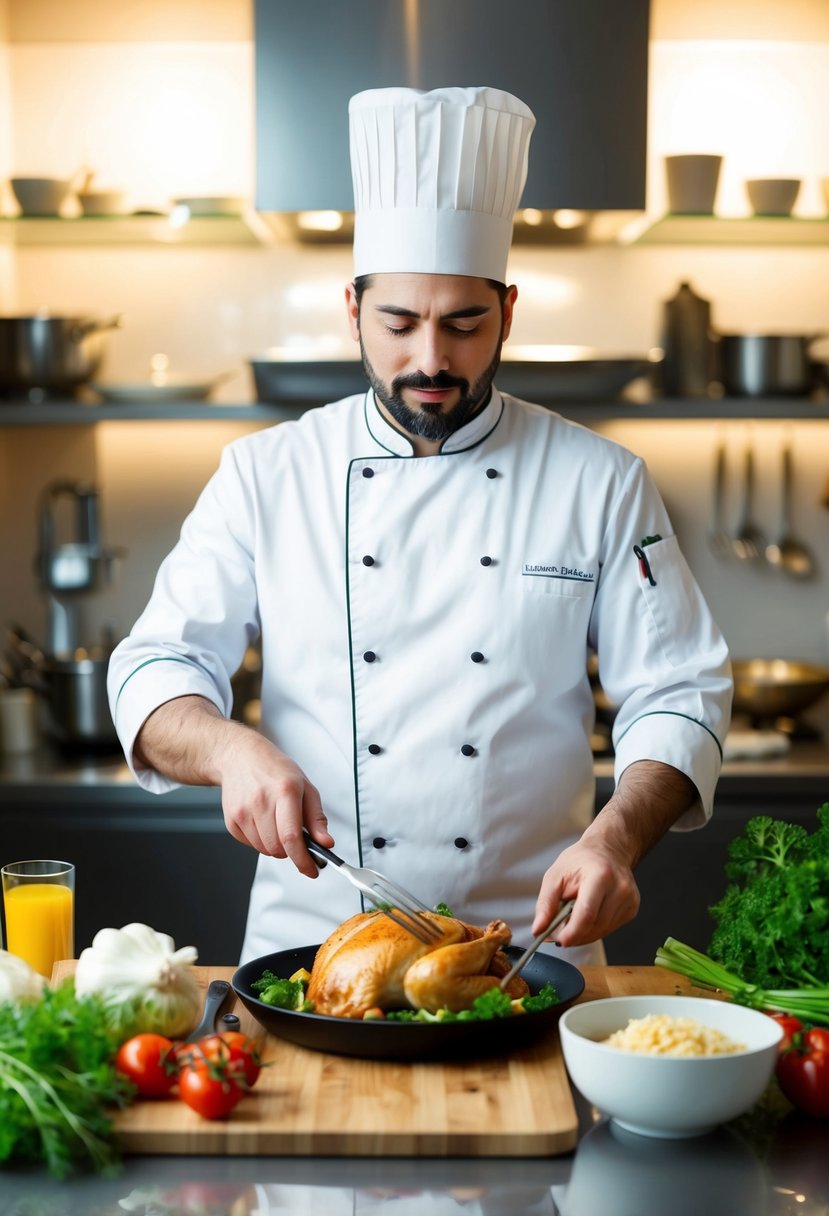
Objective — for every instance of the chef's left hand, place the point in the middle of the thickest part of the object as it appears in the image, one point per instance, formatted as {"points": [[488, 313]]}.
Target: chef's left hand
{"points": [[597, 871]]}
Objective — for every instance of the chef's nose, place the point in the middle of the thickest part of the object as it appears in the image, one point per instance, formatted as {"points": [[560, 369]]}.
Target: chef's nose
{"points": [[432, 357]]}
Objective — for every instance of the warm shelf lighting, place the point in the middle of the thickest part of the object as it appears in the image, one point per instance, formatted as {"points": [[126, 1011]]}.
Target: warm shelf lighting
{"points": [[320, 221]]}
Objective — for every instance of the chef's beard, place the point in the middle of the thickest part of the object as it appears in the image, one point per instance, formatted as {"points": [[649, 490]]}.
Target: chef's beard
{"points": [[432, 422]]}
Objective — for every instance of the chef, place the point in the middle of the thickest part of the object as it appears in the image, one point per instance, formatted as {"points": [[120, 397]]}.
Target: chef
{"points": [[427, 566]]}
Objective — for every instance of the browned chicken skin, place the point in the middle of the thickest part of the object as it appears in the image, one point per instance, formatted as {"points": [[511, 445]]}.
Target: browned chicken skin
{"points": [[370, 962]]}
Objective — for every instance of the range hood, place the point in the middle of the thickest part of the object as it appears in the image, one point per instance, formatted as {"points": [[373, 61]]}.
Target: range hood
{"points": [[581, 66]]}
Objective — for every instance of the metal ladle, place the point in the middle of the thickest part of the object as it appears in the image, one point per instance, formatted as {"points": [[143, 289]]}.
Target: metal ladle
{"points": [[719, 540], [787, 553], [749, 542]]}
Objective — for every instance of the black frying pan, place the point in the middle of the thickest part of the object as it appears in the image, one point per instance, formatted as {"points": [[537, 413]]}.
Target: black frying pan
{"points": [[381, 1040]]}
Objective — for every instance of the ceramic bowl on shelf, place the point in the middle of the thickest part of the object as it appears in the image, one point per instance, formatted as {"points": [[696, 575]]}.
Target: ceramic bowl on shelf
{"points": [[773, 195], [669, 1096], [102, 202], [42, 196]]}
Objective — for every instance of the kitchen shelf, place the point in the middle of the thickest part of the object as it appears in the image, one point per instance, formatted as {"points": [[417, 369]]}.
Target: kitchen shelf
{"points": [[243, 229], [721, 230], [76, 413]]}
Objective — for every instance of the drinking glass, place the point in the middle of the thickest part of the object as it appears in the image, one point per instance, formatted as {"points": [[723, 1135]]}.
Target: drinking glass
{"points": [[39, 905]]}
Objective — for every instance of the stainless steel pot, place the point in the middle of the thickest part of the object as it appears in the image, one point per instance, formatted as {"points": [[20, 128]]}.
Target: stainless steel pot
{"points": [[44, 353], [765, 365], [76, 696]]}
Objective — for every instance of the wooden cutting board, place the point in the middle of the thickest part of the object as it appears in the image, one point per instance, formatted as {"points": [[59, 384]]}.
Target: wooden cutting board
{"points": [[309, 1103]]}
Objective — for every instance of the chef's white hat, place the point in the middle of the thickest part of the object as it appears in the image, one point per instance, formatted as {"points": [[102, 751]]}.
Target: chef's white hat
{"points": [[437, 179]]}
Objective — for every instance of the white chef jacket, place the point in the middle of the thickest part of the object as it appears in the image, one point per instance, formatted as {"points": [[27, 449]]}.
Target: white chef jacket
{"points": [[425, 625]]}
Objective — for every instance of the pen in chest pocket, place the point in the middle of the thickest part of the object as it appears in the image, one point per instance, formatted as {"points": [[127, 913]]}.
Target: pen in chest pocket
{"points": [[644, 564]]}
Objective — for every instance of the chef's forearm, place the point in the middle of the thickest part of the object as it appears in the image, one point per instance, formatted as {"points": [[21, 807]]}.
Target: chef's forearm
{"points": [[186, 739], [648, 800]]}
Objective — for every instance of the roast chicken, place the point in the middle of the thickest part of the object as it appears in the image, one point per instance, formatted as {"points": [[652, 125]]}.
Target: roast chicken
{"points": [[370, 962]]}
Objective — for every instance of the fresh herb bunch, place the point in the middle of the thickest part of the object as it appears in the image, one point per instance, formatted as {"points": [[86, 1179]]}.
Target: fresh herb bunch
{"points": [[57, 1078], [773, 921]]}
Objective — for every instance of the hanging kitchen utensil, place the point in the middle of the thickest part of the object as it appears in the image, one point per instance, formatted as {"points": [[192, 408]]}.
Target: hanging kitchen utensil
{"points": [[719, 540], [788, 553], [749, 542]]}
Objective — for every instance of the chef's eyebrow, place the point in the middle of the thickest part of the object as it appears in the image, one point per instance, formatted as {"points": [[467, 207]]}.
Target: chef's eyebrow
{"points": [[474, 310]]}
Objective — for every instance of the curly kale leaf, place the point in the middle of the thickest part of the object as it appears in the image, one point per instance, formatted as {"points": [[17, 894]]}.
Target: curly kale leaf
{"points": [[773, 920], [766, 844]]}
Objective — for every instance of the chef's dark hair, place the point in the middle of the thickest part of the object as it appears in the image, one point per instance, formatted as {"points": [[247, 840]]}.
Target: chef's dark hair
{"points": [[363, 281]]}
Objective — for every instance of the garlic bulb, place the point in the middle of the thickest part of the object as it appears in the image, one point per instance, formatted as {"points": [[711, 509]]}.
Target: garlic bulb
{"points": [[146, 984], [18, 981]]}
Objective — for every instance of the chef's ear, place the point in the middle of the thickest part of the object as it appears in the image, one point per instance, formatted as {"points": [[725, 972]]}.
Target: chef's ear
{"points": [[352, 305], [508, 305]]}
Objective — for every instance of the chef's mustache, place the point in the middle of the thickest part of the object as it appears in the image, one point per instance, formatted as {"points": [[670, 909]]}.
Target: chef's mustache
{"points": [[441, 381]]}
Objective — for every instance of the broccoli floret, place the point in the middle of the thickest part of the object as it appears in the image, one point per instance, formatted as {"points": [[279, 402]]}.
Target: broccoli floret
{"points": [[284, 994], [545, 998]]}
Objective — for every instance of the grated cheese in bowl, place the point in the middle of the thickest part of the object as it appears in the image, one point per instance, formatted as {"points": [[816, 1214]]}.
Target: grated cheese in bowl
{"points": [[662, 1035]]}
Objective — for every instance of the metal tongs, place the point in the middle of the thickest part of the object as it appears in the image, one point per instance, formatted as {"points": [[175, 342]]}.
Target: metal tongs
{"points": [[559, 919], [392, 900]]}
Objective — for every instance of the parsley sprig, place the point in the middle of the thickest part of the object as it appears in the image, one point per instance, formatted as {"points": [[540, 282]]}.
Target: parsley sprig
{"points": [[57, 1079]]}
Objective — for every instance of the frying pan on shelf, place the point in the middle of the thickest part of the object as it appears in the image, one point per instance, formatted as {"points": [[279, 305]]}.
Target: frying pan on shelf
{"points": [[380, 1040]]}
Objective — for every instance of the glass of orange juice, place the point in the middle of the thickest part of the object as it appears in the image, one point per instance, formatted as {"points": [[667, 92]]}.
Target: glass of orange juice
{"points": [[39, 904]]}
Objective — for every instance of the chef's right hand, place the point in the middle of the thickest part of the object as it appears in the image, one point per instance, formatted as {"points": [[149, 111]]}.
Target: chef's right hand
{"points": [[266, 800], [266, 797]]}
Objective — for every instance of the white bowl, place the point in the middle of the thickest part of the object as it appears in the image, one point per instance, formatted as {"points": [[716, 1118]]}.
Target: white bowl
{"points": [[102, 202], [668, 1096], [40, 195], [773, 195]]}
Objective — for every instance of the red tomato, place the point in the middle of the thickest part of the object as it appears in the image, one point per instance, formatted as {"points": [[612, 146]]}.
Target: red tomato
{"points": [[232, 1053], [206, 1091], [149, 1061], [803, 1073], [790, 1026]]}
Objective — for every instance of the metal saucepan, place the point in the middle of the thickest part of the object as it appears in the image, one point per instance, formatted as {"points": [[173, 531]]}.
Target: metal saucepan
{"points": [[76, 698], [766, 689], [763, 365], [50, 354], [380, 1040]]}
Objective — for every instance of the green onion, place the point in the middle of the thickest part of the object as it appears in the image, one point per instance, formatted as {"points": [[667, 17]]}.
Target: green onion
{"points": [[808, 1004]]}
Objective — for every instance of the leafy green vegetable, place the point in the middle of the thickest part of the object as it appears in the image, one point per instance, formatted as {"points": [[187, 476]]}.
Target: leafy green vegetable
{"points": [[57, 1077], [545, 998], [810, 1004], [284, 994], [491, 1004], [444, 910], [773, 921]]}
